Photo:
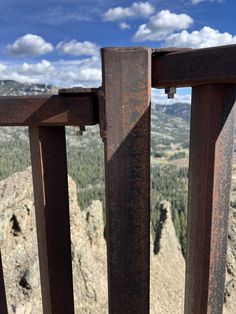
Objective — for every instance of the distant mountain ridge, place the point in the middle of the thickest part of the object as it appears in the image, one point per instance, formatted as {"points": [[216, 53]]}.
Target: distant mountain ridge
{"points": [[14, 88], [180, 110]]}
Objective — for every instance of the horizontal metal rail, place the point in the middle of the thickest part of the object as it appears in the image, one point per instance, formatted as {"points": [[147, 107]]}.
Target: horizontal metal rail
{"points": [[194, 67], [80, 109]]}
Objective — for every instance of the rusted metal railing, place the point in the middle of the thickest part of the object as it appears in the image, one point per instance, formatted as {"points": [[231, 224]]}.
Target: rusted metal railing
{"points": [[122, 108]]}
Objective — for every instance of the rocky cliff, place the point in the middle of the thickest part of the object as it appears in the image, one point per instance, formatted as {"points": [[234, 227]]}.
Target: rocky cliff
{"points": [[167, 269], [230, 284], [19, 253], [19, 249]]}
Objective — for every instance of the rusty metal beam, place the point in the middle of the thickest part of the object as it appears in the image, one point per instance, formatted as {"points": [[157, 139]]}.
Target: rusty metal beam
{"points": [[49, 166], [126, 133], [211, 148], [3, 300], [194, 67], [73, 109]]}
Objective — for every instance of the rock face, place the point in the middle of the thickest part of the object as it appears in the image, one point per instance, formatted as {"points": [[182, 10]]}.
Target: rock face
{"points": [[19, 253], [167, 270], [19, 250], [19, 244], [230, 284]]}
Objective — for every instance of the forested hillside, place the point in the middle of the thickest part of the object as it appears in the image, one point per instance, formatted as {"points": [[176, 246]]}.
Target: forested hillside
{"points": [[169, 159]]}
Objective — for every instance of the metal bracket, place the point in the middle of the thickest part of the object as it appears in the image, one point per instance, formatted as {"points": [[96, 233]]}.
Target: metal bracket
{"points": [[170, 91], [82, 90]]}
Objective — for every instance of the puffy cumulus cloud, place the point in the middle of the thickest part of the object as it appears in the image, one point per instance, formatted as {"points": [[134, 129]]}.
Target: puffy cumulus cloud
{"points": [[124, 25], [29, 45], [77, 48], [182, 95], [206, 37], [26, 72], [161, 25], [62, 73], [35, 69], [137, 9], [198, 1]]}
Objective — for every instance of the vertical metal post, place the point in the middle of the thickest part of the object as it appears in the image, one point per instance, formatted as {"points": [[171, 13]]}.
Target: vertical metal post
{"points": [[3, 300], [211, 148], [49, 166], [126, 122]]}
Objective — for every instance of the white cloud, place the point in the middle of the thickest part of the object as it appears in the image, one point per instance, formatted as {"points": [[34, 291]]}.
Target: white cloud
{"points": [[206, 37], [198, 1], [29, 45], [2, 67], [77, 48], [124, 25], [59, 14], [136, 9], [161, 25], [35, 69], [62, 73]]}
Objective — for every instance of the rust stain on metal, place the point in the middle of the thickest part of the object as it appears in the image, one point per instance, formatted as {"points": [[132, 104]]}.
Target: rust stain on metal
{"points": [[211, 148], [127, 89]]}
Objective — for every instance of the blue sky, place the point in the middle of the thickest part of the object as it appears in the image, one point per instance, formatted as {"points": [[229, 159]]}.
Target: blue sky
{"points": [[58, 42]]}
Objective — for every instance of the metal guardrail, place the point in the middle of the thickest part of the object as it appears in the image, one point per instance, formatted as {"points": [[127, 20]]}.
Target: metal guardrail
{"points": [[122, 108]]}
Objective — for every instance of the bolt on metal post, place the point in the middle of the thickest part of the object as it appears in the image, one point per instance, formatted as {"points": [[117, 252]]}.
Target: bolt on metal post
{"points": [[170, 91]]}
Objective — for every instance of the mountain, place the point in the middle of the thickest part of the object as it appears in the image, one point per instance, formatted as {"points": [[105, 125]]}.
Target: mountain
{"points": [[180, 110], [13, 88]]}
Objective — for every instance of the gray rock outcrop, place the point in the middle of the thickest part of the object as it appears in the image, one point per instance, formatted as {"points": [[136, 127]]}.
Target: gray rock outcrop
{"points": [[18, 244], [19, 250], [167, 270], [230, 283]]}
